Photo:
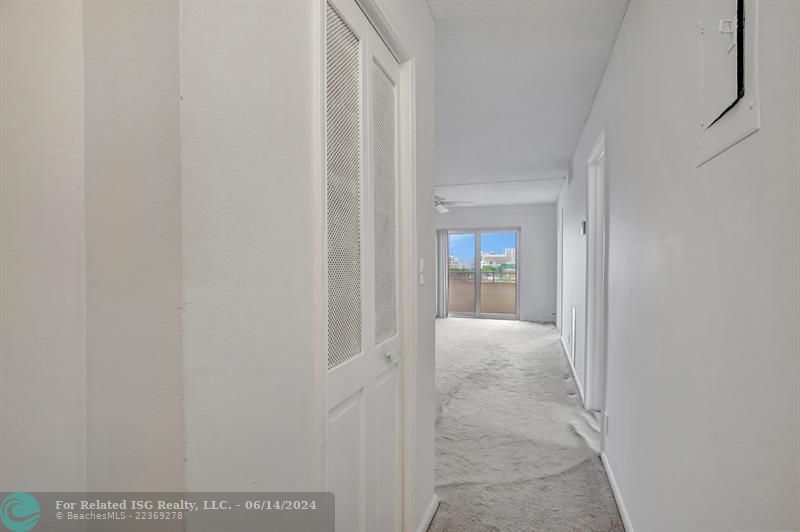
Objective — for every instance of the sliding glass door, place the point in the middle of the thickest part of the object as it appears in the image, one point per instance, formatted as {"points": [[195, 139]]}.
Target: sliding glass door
{"points": [[482, 273], [461, 273], [498, 259]]}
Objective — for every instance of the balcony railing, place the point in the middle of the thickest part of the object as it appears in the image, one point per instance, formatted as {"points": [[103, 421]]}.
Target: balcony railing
{"points": [[498, 292]]}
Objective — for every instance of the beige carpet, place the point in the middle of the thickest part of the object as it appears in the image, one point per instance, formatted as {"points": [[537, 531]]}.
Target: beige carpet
{"points": [[514, 449]]}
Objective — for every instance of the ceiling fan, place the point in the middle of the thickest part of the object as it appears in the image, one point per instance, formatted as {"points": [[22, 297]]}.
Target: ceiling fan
{"points": [[441, 204]]}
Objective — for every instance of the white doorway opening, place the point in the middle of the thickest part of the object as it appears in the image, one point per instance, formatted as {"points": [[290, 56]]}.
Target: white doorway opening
{"points": [[560, 272], [596, 277]]}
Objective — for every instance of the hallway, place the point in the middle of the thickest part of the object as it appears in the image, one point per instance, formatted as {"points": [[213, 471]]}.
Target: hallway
{"points": [[514, 448], [338, 249]]}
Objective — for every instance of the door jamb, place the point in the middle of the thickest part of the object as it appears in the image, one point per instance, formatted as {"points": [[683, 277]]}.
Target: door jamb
{"points": [[596, 364], [560, 314]]}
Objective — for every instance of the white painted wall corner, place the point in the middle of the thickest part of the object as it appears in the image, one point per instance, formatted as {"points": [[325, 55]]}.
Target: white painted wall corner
{"points": [[623, 510]]}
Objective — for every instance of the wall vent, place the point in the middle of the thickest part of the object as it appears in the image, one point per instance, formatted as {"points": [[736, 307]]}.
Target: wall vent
{"points": [[384, 183], [343, 202]]}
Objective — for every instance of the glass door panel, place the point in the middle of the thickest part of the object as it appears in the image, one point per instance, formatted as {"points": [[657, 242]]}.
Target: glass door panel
{"points": [[498, 266], [461, 273]]}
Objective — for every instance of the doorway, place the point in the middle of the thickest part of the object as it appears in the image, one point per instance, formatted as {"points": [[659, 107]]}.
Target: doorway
{"points": [[596, 278], [560, 270], [482, 273]]}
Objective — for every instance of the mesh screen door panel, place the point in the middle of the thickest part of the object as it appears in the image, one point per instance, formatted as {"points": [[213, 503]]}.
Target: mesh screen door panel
{"points": [[343, 153], [384, 177]]}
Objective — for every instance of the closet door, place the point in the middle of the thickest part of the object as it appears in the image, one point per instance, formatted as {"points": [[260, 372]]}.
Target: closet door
{"points": [[363, 293]]}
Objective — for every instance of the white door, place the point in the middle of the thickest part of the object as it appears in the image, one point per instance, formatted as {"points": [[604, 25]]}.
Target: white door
{"points": [[363, 292]]}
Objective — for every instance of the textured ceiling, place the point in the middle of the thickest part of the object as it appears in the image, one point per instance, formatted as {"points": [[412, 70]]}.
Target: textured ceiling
{"points": [[515, 81]]}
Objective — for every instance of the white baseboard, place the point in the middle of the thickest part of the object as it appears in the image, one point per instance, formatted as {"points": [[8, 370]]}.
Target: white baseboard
{"points": [[623, 511], [429, 513], [572, 368]]}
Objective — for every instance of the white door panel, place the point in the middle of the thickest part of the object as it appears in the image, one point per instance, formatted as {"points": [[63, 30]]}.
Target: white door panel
{"points": [[346, 449], [363, 292], [387, 448]]}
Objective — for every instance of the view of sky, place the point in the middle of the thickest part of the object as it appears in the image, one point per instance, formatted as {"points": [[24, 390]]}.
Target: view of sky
{"points": [[462, 246]]}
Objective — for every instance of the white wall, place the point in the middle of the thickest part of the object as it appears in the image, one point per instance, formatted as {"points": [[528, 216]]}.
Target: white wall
{"points": [[186, 204], [537, 249], [251, 322], [703, 281], [42, 291], [133, 246], [91, 259], [415, 27]]}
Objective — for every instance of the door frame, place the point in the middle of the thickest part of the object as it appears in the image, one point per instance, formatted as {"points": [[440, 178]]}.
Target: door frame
{"points": [[407, 243], [560, 310], [477, 231], [597, 206]]}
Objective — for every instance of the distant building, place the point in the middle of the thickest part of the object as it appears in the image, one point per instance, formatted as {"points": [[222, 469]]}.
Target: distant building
{"points": [[491, 258], [454, 264]]}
